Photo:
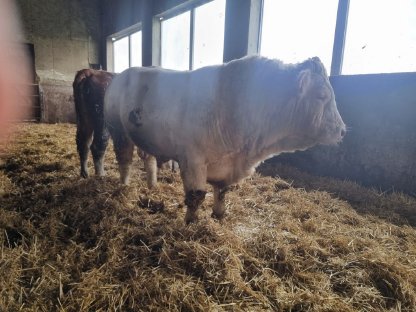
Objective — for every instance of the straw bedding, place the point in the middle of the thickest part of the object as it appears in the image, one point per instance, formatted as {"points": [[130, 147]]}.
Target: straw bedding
{"points": [[303, 244]]}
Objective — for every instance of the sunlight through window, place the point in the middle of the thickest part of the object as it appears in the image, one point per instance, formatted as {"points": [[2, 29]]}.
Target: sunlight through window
{"points": [[293, 31], [127, 52], [176, 42], [209, 34], [381, 37], [136, 49], [121, 54]]}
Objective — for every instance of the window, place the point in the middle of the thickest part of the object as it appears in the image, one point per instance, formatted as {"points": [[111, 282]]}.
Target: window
{"points": [[381, 37], [121, 54], [182, 51], [127, 51], [175, 42], [136, 49], [296, 30], [209, 34]]}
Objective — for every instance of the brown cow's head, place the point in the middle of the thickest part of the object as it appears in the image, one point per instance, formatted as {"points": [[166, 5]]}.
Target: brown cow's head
{"points": [[316, 111]]}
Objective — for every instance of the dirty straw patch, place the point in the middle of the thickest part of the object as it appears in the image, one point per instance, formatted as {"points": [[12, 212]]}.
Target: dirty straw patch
{"points": [[71, 244]]}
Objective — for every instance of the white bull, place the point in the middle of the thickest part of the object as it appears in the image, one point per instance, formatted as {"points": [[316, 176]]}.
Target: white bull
{"points": [[220, 122]]}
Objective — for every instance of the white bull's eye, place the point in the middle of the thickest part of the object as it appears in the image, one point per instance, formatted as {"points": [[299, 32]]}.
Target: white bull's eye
{"points": [[323, 93], [322, 96]]}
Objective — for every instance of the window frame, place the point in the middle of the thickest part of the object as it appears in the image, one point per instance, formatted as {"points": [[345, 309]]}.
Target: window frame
{"points": [[118, 36], [190, 6]]}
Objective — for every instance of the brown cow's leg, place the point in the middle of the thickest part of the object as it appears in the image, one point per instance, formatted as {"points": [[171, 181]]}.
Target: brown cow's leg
{"points": [[83, 139], [98, 147], [218, 210], [123, 149]]}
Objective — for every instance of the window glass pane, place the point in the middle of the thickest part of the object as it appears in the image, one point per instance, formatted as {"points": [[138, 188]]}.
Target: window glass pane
{"points": [[381, 37], [295, 30], [209, 34], [175, 42], [136, 49], [121, 54]]}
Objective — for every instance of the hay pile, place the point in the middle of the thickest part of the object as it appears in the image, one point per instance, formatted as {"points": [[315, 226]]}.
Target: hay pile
{"points": [[69, 244]]}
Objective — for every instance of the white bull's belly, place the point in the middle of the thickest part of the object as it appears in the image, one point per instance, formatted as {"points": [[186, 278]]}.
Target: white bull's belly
{"points": [[229, 170], [152, 142], [222, 167]]}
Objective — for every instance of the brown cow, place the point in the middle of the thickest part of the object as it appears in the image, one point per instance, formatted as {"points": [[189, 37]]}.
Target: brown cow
{"points": [[89, 89]]}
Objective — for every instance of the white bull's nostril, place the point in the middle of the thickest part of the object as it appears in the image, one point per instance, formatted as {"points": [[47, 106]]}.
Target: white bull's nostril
{"points": [[343, 132]]}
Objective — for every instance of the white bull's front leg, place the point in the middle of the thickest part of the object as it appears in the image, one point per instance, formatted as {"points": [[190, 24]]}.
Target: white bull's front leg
{"points": [[218, 210], [194, 177]]}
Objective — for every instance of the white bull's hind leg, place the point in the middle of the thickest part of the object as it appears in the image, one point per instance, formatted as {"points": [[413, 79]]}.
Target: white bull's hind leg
{"points": [[123, 149], [194, 176], [150, 166], [218, 210]]}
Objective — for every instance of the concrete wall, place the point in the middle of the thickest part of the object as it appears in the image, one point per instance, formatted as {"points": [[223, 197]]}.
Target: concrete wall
{"points": [[380, 147], [66, 37]]}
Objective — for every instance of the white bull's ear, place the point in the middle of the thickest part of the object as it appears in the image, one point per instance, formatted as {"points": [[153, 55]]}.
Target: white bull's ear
{"points": [[304, 81]]}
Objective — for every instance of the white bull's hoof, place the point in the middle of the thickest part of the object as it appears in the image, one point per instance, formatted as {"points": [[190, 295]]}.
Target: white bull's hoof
{"points": [[193, 200], [218, 216], [191, 216]]}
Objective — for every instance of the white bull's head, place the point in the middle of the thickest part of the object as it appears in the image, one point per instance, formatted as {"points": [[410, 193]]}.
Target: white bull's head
{"points": [[316, 112]]}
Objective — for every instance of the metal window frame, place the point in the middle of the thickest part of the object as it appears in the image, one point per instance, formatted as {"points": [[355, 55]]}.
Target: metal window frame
{"points": [[255, 26], [191, 39], [121, 35], [177, 10], [339, 37]]}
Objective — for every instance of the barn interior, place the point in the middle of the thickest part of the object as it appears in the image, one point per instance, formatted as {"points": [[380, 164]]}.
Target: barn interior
{"points": [[331, 228]]}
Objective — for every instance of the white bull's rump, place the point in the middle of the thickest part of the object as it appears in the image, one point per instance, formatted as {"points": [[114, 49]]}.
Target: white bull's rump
{"points": [[219, 122]]}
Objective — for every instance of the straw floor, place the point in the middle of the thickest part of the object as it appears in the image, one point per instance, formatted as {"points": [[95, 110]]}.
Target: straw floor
{"points": [[301, 244]]}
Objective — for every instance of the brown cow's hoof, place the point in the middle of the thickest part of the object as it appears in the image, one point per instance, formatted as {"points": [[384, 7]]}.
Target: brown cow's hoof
{"points": [[84, 174]]}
